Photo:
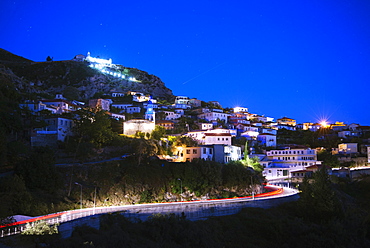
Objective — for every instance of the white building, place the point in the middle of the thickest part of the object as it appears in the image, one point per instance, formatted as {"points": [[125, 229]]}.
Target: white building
{"points": [[98, 62], [267, 139], [170, 115], [227, 153], [216, 139], [183, 102], [205, 126], [214, 116], [240, 110], [211, 137], [39, 106], [62, 127], [127, 107], [133, 126], [281, 163], [61, 105], [348, 148]]}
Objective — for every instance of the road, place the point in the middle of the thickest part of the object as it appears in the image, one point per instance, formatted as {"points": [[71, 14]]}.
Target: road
{"points": [[194, 210]]}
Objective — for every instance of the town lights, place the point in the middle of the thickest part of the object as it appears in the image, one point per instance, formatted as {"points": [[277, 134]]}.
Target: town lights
{"points": [[324, 124]]}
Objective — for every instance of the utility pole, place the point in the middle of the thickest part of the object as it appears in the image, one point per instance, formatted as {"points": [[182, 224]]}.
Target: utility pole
{"points": [[81, 194], [180, 187]]}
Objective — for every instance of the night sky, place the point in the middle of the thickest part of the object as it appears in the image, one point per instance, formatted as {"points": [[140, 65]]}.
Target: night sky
{"points": [[306, 59]]}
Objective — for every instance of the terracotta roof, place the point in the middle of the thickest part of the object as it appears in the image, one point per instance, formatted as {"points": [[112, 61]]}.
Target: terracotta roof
{"points": [[299, 171], [311, 166]]}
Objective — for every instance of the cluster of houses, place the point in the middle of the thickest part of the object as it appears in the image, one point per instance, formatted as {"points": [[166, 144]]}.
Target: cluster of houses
{"points": [[216, 128]]}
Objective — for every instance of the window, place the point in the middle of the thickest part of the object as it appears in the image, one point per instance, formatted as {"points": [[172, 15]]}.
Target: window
{"points": [[187, 151], [195, 151], [204, 150]]}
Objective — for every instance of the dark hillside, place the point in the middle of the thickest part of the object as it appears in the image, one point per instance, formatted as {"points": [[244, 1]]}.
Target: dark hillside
{"points": [[8, 57], [77, 79]]}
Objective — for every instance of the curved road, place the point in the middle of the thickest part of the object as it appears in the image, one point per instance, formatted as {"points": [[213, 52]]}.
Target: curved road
{"points": [[148, 209]]}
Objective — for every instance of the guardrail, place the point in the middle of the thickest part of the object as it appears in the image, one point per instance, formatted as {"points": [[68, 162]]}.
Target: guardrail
{"points": [[66, 216]]}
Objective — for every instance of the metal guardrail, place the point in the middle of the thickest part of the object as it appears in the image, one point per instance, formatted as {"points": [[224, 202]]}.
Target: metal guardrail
{"points": [[224, 206]]}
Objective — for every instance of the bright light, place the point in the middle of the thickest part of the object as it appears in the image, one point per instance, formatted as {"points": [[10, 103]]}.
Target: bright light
{"points": [[324, 124]]}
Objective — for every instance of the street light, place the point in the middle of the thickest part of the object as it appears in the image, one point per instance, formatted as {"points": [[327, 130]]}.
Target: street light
{"points": [[81, 193], [180, 187]]}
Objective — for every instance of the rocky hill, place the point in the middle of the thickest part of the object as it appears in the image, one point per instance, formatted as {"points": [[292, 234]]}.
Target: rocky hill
{"points": [[75, 80]]}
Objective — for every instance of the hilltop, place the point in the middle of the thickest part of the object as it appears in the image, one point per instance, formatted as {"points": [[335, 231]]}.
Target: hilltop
{"points": [[75, 79]]}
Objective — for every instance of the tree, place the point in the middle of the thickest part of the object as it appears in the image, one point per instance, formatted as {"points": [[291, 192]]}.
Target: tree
{"points": [[143, 149], [318, 201], [40, 228], [185, 141], [158, 133], [38, 170], [40, 231], [14, 197], [328, 158], [93, 127]]}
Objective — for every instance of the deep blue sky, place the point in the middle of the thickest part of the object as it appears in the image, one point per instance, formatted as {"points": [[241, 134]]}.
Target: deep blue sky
{"points": [[306, 59]]}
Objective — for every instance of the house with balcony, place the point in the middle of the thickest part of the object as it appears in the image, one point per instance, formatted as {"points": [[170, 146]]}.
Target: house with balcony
{"points": [[168, 125], [183, 102], [280, 164]]}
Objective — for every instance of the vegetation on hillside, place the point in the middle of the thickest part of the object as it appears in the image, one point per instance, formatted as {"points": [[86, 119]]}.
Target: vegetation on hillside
{"points": [[331, 213]]}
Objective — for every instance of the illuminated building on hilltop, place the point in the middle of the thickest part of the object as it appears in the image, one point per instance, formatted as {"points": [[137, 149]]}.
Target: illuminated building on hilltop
{"points": [[98, 61]]}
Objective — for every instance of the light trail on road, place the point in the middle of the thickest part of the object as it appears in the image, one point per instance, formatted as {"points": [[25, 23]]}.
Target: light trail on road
{"points": [[66, 216]]}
